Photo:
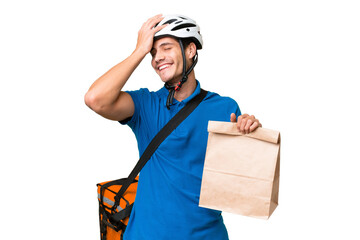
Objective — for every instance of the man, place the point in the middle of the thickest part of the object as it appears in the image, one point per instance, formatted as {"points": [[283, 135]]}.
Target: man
{"points": [[166, 205]]}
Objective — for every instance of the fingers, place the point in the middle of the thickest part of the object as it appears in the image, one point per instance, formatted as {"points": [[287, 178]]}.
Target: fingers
{"points": [[244, 124], [158, 28], [247, 124], [241, 123], [147, 32], [254, 126], [151, 22]]}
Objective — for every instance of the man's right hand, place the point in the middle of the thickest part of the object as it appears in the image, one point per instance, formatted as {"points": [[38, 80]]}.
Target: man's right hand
{"points": [[105, 95], [146, 34]]}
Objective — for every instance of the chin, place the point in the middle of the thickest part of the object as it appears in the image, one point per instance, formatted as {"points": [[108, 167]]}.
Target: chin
{"points": [[169, 77]]}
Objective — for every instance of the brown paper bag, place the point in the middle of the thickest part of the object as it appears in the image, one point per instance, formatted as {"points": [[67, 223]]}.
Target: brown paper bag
{"points": [[241, 172]]}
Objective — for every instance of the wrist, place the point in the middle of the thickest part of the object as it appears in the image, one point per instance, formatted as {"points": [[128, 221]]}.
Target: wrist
{"points": [[141, 52]]}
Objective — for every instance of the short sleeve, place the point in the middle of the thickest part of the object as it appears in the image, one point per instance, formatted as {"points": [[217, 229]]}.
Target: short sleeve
{"points": [[234, 106], [238, 111], [139, 97]]}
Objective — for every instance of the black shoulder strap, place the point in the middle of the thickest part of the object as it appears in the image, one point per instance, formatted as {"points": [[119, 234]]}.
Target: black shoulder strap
{"points": [[158, 139]]}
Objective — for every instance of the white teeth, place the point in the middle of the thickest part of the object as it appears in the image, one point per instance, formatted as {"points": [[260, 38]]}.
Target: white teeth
{"points": [[162, 67]]}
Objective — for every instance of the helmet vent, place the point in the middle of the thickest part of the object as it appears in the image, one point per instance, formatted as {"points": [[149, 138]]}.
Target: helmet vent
{"points": [[170, 21], [185, 25]]}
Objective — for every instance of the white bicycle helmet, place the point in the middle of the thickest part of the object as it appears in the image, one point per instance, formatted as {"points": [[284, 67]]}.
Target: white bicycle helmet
{"points": [[180, 27]]}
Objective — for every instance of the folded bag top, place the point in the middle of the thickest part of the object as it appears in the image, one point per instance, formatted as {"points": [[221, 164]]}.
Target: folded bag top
{"points": [[230, 128]]}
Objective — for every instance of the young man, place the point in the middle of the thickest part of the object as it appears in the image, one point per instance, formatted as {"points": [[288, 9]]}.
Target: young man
{"points": [[166, 205]]}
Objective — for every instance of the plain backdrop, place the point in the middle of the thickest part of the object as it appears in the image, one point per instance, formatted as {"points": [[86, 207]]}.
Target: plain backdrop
{"points": [[293, 64]]}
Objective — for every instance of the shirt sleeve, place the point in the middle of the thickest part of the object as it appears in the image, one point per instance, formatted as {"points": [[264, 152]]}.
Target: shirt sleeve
{"points": [[238, 111], [234, 107], [138, 97]]}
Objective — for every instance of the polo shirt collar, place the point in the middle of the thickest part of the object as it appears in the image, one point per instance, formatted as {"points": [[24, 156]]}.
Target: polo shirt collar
{"points": [[186, 100]]}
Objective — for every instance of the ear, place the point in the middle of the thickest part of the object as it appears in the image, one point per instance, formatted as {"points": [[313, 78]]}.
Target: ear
{"points": [[191, 50]]}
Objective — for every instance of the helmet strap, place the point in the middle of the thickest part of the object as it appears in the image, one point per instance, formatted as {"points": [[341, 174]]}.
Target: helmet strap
{"points": [[185, 74]]}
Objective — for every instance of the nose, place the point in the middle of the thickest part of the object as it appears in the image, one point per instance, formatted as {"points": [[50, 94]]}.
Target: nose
{"points": [[159, 56]]}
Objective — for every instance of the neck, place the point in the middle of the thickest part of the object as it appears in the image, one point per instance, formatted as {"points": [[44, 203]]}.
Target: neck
{"points": [[187, 88]]}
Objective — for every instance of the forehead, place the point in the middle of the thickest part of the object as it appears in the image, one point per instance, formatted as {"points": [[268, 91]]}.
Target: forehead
{"points": [[164, 41]]}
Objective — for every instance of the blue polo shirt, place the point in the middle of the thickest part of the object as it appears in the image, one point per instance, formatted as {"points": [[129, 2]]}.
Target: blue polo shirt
{"points": [[167, 199]]}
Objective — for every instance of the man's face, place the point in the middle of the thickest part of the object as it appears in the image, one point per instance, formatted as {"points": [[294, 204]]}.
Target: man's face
{"points": [[167, 59]]}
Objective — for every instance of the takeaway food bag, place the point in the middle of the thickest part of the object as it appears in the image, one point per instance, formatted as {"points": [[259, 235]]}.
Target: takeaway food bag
{"points": [[241, 172]]}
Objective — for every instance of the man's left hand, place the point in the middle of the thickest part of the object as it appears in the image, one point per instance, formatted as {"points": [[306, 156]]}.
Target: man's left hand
{"points": [[245, 123]]}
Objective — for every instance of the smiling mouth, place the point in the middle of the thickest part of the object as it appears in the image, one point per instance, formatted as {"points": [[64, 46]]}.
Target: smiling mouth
{"points": [[162, 67]]}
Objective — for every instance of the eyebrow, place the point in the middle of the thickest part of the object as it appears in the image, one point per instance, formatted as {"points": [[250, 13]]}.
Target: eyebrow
{"points": [[166, 43]]}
